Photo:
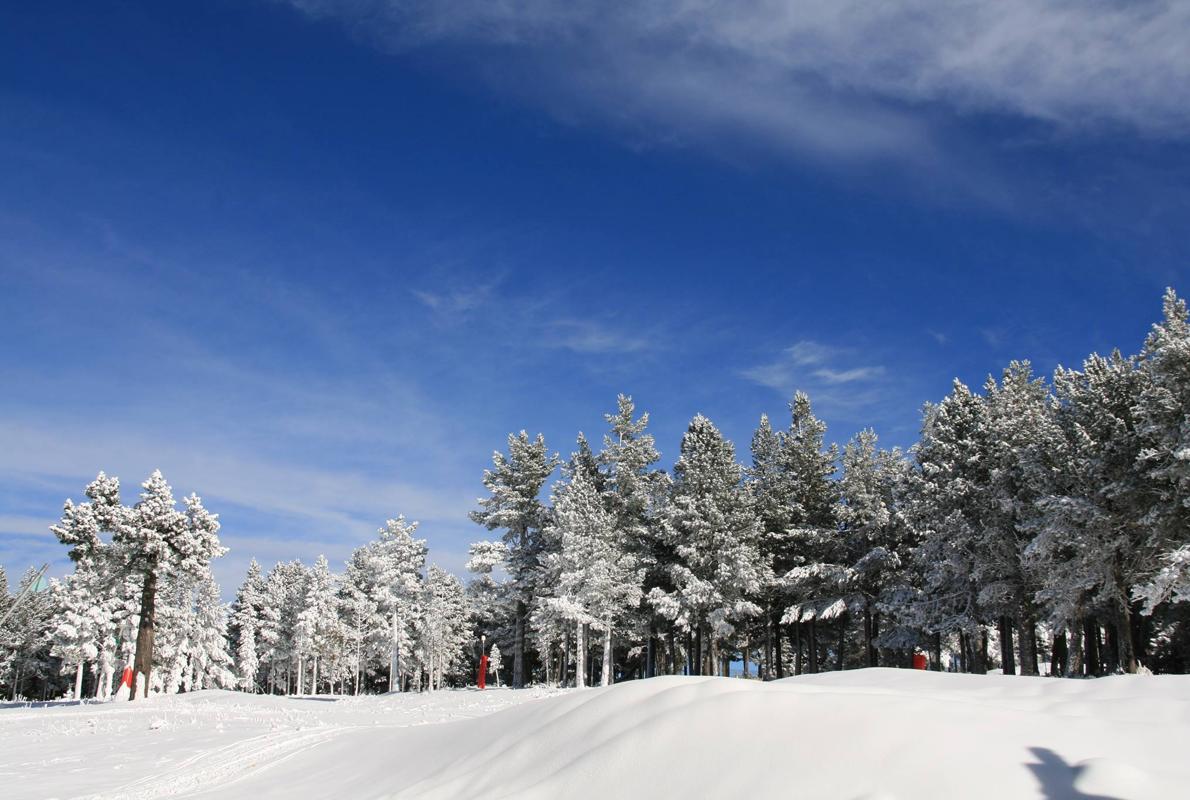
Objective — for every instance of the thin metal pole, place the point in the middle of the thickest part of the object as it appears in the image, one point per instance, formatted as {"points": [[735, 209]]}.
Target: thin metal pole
{"points": [[28, 588]]}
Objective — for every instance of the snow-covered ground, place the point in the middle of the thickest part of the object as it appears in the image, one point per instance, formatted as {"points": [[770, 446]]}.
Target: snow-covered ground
{"points": [[861, 734]]}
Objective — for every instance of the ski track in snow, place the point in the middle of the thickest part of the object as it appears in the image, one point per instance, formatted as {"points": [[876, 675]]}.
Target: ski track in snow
{"points": [[224, 765], [181, 745]]}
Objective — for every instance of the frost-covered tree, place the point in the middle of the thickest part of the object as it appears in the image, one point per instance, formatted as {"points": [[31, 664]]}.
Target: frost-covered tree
{"points": [[1092, 546], [25, 638], [245, 622], [81, 621], [1021, 441], [794, 487], [283, 600], [710, 526], [156, 539], [598, 580], [441, 628], [386, 574], [514, 483], [875, 536], [633, 491], [489, 593], [211, 664], [1162, 411], [495, 659], [948, 505], [317, 622]]}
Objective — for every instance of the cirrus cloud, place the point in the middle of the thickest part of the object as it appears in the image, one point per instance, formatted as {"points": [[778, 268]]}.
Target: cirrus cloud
{"points": [[841, 80]]}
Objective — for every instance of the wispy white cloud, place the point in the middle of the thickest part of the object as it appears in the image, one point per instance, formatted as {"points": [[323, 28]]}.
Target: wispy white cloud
{"points": [[25, 525], [456, 301], [588, 336], [827, 373], [853, 375], [848, 79]]}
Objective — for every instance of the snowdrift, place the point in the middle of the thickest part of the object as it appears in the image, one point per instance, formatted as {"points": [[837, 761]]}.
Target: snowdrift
{"points": [[874, 733]]}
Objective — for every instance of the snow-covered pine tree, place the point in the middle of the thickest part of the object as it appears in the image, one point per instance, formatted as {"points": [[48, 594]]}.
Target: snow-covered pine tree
{"points": [[495, 660], [809, 549], [711, 528], [633, 491], [1164, 462], [25, 638], [317, 621], [211, 665], [245, 622], [948, 505], [1089, 550], [1021, 441], [873, 531], [81, 621], [598, 578], [489, 598], [156, 538], [381, 587], [282, 601], [514, 483], [398, 560], [173, 626], [441, 628], [85, 600]]}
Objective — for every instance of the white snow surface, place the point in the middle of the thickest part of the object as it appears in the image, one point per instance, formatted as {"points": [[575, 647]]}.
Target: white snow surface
{"points": [[873, 733]]}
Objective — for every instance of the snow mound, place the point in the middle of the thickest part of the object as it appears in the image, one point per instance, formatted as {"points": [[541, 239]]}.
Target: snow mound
{"points": [[869, 733]]}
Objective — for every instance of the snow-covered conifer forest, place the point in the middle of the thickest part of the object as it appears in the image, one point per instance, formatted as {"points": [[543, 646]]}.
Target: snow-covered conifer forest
{"points": [[1039, 526], [1036, 527]]}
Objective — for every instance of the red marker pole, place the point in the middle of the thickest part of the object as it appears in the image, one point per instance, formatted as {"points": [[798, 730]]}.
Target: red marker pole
{"points": [[482, 680]]}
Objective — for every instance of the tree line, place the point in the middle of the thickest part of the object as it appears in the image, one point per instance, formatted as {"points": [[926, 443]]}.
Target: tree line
{"points": [[1037, 526]]}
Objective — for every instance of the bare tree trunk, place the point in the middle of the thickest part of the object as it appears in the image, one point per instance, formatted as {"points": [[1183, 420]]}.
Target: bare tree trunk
{"points": [[937, 652], [143, 662], [518, 647], [869, 635], [1112, 652], [813, 646], [78, 682], [768, 646], [1074, 662], [839, 658], [1124, 637], [606, 677], [394, 660], [1091, 664], [1027, 644], [1007, 662], [673, 652], [580, 659], [799, 660], [746, 644], [778, 656], [1058, 654], [564, 672]]}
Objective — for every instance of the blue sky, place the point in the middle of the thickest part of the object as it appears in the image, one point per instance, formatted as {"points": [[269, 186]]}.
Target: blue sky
{"points": [[315, 260]]}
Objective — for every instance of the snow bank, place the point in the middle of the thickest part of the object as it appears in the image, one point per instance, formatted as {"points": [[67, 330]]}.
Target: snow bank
{"points": [[862, 734]]}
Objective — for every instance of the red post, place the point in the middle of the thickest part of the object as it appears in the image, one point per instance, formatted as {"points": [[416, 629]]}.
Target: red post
{"points": [[483, 671]]}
